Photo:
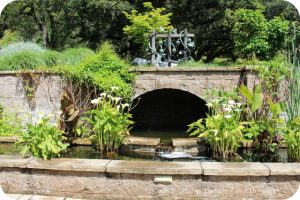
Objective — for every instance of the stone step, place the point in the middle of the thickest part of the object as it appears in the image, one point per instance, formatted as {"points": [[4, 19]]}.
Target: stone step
{"points": [[179, 142], [146, 141]]}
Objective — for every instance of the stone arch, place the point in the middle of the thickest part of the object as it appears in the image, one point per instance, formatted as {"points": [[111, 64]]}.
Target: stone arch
{"points": [[192, 88], [167, 108]]}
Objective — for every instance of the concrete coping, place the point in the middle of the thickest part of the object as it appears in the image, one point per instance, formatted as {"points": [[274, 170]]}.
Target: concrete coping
{"points": [[235, 169], [25, 71], [188, 69], [69, 164], [154, 167], [152, 69]]}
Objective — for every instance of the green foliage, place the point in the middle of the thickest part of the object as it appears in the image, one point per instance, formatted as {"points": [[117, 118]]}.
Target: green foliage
{"points": [[292, 140], [9, 37], [74, 56], [271, 74], [264, 124], [254, 99], [143, 24], [223, 129], [109, 122], [42, 140], [102, 71], [256, 37], [293, 99], [10, 124], [27, 55]]}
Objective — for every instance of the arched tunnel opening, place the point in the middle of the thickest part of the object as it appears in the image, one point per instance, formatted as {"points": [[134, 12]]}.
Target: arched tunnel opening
{"points": [[165, 113]]}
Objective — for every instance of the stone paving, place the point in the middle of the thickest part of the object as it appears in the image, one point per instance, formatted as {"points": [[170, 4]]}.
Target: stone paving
{"points": [[38, 197]]}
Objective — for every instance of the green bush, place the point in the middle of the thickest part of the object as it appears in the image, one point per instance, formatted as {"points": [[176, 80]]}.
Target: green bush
{"points": [[9, 37], [292, 140], [256, 37], [42, 140], [10, 124], [103, 70]]}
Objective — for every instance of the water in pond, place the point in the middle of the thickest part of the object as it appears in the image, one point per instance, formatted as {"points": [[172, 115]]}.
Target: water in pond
{"points": [[86, 152], [164, 135]]}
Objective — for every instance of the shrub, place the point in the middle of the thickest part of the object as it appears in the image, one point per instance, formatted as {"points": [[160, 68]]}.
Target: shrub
{"points": [[10, 124], [103, 70], [42, 140], [256, 37], [292, 140], [9, 37]]}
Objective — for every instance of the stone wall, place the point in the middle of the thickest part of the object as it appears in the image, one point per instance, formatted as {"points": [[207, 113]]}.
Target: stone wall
{"points": [[46, 88], [113, 179], [194, 80], [30, 94]]}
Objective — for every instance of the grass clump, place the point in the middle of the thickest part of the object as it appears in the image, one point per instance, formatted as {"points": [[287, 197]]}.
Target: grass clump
{"points": [[74, 56], [27, 55]]}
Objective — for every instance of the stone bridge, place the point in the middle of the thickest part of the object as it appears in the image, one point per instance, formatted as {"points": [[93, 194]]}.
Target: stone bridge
{"points": [[194, 80], [163, 96], [172, 98]]}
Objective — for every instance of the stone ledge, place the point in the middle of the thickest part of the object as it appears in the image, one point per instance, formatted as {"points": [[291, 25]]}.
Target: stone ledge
{"points": [[8, 139], [13, 161], [179, 142], [189, 69], [68, 164], [154, 167], [234, 169], [283, 169], [141, 141]]}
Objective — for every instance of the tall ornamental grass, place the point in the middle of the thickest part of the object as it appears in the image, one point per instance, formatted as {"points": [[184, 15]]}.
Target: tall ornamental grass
{"points": [[27, 55]]}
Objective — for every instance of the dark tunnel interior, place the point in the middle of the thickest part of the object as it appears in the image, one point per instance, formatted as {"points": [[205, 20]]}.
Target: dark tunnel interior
{"points": [[167, 109]]}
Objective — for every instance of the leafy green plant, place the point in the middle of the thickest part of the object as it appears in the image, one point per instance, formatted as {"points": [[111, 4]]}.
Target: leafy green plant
{"points": [[9, 37], [292, 140], [223, 129], [143, 24], [10, 123], [103, 70], [109, 122], [42, 140], [265, 127]]}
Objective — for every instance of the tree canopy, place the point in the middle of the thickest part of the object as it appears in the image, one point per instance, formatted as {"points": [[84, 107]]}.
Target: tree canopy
{"points": [[220, 26]]}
